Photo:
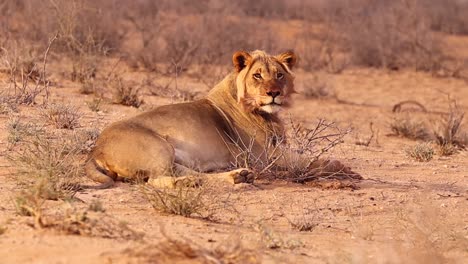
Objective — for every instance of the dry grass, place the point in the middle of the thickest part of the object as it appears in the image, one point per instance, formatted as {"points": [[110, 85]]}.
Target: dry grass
{"points": [[306, 222], [72, 221], [196, 198], [126, 93], [54, 161], [62, 116], [404, 125], [317, 87], [273, 240], [422, 152], [69, 220], [95, 104], [186, 251], [18, 130]]}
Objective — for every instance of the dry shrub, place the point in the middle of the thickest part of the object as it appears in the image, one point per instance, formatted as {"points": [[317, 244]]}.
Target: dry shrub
{"points": [[295, 156], [404, 125], [422, 152], [27, 73], [186, 251], [448, 131], [146, 19], [389, 34], [316, 87], [304, 148], [95, 104], [448, 16], [172, 91], [62, 116], [198, 40], [190, 198], [85, 26], [126, 93], [53, 161]]}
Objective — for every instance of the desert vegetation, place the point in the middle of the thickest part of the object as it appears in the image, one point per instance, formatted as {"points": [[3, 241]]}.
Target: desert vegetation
{"points": [[382, 87]]}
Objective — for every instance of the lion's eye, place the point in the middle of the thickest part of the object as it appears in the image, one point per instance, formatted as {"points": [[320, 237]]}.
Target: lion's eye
{"points": [[279, 76], [257, 76]]}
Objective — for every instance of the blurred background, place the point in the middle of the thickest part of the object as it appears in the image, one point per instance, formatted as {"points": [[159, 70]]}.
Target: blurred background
{"points": [[155, 35]]}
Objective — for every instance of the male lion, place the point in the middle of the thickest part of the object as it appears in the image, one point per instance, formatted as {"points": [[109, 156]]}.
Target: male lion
{"points": [[196, 138]]}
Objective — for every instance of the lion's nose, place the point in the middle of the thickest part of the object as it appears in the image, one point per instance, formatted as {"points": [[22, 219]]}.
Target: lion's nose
{"points": [[273, 94]]}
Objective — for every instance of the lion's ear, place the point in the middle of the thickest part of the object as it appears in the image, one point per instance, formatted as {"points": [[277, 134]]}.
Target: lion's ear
{"points": [[289, 58], [241, 59]]}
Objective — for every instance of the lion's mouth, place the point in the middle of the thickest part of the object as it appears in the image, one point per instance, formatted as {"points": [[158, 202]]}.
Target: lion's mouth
{"points": [[273, 102]]}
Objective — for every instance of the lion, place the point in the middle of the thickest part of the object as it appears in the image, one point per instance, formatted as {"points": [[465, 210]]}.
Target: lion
{"points": [[196, 138]]}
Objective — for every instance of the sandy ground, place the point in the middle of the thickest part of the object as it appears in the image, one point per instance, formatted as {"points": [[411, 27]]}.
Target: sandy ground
{"points": [[403, 211]]}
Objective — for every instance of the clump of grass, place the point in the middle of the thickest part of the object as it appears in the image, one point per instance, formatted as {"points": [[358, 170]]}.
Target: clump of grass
{"points": [[7, 107], [404, 126], [89, 223], [84, 140], [19, 130], [446, 149], [422, 152], [95, 104], [31, 202], [88, 87], [306, 222], [203, 199], [181, 251], [274, 240], [126, 94], [96, 206], [317, 88], [62, 116], [52, 162]]}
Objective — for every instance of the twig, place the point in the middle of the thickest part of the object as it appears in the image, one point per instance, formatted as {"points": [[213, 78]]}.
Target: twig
{"points": [[45, 82]]}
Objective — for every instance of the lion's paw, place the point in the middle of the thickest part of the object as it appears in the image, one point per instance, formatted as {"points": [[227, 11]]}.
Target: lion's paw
{"points": [[242, 176]]}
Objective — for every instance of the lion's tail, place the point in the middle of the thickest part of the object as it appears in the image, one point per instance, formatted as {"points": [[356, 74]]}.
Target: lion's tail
{"points": [[95, 173]]}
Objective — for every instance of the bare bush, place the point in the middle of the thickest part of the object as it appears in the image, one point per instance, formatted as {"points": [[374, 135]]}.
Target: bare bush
{"points": [[62, 116], [304, 148], [448, 133], [84, 26], [294, 156], [27, 74], [126, 93]]}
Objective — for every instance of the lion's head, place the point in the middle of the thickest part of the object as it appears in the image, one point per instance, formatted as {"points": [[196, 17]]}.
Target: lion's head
{"points": [[264, 82]]}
